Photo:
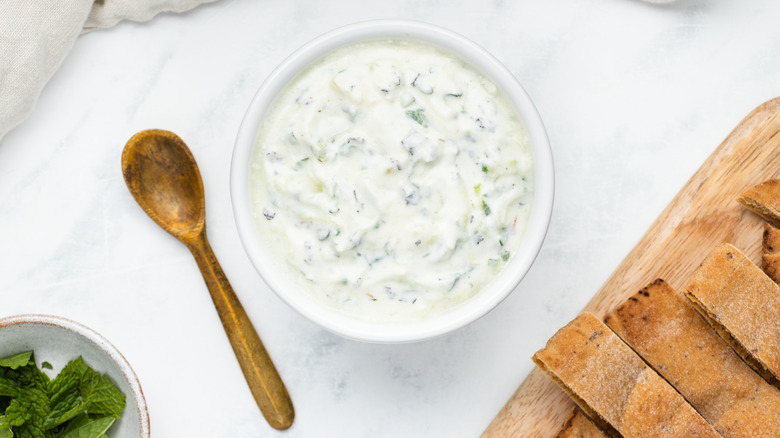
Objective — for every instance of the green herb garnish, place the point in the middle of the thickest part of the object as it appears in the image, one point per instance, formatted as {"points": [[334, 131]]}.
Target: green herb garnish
{"points": [[418, 116], [78, 403], [300, 162], [485, 208]]}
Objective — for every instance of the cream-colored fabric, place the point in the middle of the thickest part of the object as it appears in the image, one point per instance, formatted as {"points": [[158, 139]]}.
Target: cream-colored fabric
{"points": [[36, 35], [106, 13]]}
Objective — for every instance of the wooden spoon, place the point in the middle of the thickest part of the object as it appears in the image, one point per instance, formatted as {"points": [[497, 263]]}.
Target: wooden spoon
{"points": [[163, 177]]}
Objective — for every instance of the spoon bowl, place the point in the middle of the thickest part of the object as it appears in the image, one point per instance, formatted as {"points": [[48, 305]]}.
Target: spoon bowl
{"points": [[162, 175], [164, 179]]}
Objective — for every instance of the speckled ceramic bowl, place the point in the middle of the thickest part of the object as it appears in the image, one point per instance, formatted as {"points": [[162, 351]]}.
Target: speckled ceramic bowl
{"points": [[58, 340], [486, 299]]}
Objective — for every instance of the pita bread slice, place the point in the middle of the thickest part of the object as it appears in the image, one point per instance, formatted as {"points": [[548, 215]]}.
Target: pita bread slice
{"points": [[743, 305], [614, 386], [578, 425], [764, 200], [770, 254], [678, 343]]}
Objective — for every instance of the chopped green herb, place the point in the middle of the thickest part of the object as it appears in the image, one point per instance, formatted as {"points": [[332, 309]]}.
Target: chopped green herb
{"points": [[352, 144], [454, 283], [418, 116], [46, 365], [485, 208], [505, 255], [484, 169], [477, 188], [424, 87], [322, 152], [78, 403]]}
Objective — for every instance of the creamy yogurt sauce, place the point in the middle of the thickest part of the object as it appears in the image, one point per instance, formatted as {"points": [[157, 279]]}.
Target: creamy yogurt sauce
{"points": [[391, 180]]}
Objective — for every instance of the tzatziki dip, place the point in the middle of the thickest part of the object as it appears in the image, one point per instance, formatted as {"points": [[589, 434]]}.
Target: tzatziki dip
{"points": [[391, 180]]}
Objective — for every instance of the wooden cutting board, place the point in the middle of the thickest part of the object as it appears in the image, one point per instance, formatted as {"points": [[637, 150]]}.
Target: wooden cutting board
{"points": [[703, 214]]}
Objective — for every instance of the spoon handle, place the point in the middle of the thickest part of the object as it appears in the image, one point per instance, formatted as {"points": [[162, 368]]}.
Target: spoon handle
{"points": [[260, 373]]}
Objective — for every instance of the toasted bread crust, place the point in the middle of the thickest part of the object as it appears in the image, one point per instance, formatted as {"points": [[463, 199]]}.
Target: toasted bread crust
{"points": [[678, 343], [614, 385], [743, 305], [578, 425], [770, 252], [764, 200]]}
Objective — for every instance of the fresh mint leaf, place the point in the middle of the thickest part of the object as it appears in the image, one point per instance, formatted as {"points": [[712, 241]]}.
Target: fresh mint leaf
{"points": [[35, 403], [5, 422], [17, 360], [68, 407], [28, 375], [66, 400], [8, 387], [16, 413], [66, 384], [86, 427], [79, 388], [78, 403], [104, 398], [39, 379], [28, 430], [77, 422]]}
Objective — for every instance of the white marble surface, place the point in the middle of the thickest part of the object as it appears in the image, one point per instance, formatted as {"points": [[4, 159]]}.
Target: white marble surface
{"points": [[634, 96]]}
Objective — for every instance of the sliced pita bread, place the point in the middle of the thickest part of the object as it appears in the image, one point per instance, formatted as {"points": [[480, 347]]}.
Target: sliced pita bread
{"points": [[743, 305], [614, 386], [770, 254], [678, 343], [578, 425], [764, 200]]}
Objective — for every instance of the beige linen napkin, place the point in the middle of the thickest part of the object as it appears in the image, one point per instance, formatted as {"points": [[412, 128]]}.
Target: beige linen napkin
{"points": [[36, 35]]}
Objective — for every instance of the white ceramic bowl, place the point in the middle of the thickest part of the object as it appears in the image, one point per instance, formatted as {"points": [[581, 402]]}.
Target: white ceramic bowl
{"points": [[485, 300], [58, 341]]}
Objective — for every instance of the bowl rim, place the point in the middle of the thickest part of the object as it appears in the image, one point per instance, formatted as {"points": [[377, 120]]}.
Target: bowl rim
{"points": [[102, 344], [495, 291]]}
